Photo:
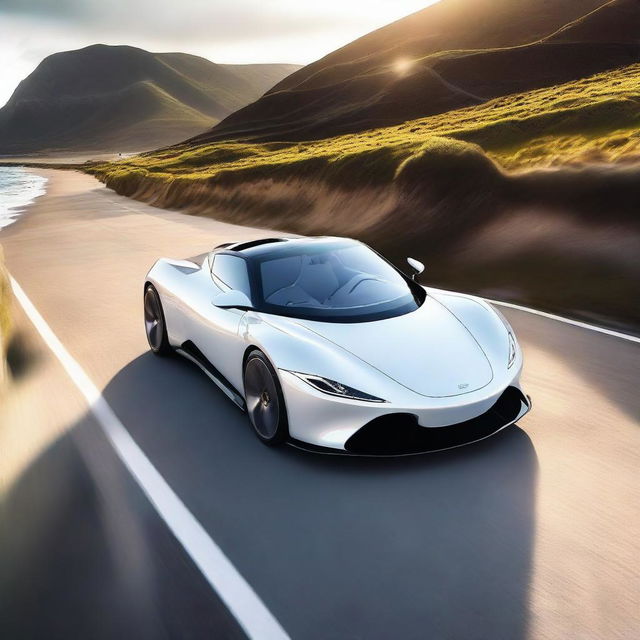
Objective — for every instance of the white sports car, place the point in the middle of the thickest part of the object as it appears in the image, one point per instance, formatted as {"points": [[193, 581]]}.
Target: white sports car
{"points": [[329, 347]]}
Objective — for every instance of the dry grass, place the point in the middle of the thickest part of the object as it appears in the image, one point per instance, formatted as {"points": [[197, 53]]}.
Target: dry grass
{"points": [[593, 119], [5, 317]]}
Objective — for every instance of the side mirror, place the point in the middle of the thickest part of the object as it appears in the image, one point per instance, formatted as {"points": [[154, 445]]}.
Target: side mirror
{"points": [[232, 299], [417, 266]]}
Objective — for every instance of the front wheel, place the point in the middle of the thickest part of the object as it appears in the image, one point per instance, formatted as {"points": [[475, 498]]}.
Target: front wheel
{"points": [[264, 398], [155, 324]]}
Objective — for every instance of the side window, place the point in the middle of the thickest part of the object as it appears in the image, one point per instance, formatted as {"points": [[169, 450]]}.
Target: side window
{"points": [[232, 272]]}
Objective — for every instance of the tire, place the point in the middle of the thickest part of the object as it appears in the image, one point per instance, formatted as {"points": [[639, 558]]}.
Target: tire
{"points": [[155, 324], [265, 401]]}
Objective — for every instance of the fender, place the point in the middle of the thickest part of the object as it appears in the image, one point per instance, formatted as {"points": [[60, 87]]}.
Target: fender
{"points": [[298, 349]]}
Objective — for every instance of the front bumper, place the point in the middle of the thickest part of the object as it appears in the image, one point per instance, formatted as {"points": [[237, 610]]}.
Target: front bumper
{"points": [[318, 422]]}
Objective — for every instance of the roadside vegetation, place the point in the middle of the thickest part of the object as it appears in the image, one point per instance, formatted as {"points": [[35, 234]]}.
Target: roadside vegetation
{"points": [[595, 119], [5, 316]]}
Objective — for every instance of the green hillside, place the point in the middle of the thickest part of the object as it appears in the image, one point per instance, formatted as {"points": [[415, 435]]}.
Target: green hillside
{"points": [[593, 119]]}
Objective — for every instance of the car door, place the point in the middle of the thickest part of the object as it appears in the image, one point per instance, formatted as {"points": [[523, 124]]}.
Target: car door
{"points": [[214, 330]]}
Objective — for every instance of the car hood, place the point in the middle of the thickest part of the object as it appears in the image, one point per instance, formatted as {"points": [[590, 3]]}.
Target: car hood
{"points": [[428, 351]]}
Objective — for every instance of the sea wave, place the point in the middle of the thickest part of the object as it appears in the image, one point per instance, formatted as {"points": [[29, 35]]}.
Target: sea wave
{"points": [[18, 188]]}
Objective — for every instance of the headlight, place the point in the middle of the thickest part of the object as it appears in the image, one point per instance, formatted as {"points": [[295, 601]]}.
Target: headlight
{"points": [[512, 350], [333, 388]]}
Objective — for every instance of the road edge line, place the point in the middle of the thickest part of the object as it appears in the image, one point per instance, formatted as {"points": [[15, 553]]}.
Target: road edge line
{"points": [[575, 323], [236, 593]]}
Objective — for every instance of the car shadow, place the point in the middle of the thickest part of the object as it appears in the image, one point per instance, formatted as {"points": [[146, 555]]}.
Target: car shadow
{"points": [[83, 554], [436, 546], [340, 546]]}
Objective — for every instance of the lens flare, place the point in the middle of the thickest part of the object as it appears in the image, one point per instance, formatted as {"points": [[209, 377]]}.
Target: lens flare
{"points": [[402, 66]]}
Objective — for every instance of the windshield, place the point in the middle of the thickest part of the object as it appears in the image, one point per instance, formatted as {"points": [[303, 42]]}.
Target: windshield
{"points": [[337, 280]]}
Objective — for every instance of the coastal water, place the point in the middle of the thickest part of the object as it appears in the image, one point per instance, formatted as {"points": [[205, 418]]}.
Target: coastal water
{"points": [[18, 188]]}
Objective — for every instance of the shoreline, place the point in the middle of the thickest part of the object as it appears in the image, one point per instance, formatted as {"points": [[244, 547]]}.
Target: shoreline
{"points": [[19, 193]]}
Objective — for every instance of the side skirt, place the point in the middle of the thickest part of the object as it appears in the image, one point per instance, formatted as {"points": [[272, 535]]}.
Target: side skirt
{"points": [[189, 351]]}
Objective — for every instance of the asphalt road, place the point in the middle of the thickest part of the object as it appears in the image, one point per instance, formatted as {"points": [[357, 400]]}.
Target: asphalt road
{"points": [[531, 534]]}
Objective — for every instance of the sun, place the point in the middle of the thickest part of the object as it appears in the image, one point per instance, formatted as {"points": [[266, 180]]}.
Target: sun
{"points": [[402, 66]]}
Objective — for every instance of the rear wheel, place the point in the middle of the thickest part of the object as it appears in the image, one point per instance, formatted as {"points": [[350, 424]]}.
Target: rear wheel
{"points": [[264, 398], [155, 324]]}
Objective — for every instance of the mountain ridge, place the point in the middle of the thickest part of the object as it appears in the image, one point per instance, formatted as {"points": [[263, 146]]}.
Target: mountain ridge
{"points": [[60, 104], [393, 74]]}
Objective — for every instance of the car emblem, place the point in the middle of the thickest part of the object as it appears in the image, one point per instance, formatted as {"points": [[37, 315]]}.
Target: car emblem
{"points": [[464, 385]]}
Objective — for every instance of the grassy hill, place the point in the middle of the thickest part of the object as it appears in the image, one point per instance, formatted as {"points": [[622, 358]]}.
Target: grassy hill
{"points": [[123, 98], [453, 54], [592, 119]]}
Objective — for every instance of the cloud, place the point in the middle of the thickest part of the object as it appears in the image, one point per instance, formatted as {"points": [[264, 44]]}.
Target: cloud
{"points": [[200, 19], [47, 8]]}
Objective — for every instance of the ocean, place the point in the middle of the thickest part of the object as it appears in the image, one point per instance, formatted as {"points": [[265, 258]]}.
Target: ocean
{"points": [[18, 188]]}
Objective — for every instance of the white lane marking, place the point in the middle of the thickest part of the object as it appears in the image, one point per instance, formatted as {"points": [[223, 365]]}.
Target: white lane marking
{"points": [[245, 605], [575, 323]]}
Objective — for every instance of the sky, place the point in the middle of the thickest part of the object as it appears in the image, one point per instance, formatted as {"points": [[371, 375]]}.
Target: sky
{"points": [[231, 31]]}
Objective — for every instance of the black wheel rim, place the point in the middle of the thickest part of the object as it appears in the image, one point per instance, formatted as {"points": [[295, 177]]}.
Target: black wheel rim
{"points": [[153, 319], [261, 395]]}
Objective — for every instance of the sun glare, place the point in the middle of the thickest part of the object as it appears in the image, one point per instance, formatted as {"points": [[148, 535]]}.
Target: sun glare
{"points": [[402, 66]]}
